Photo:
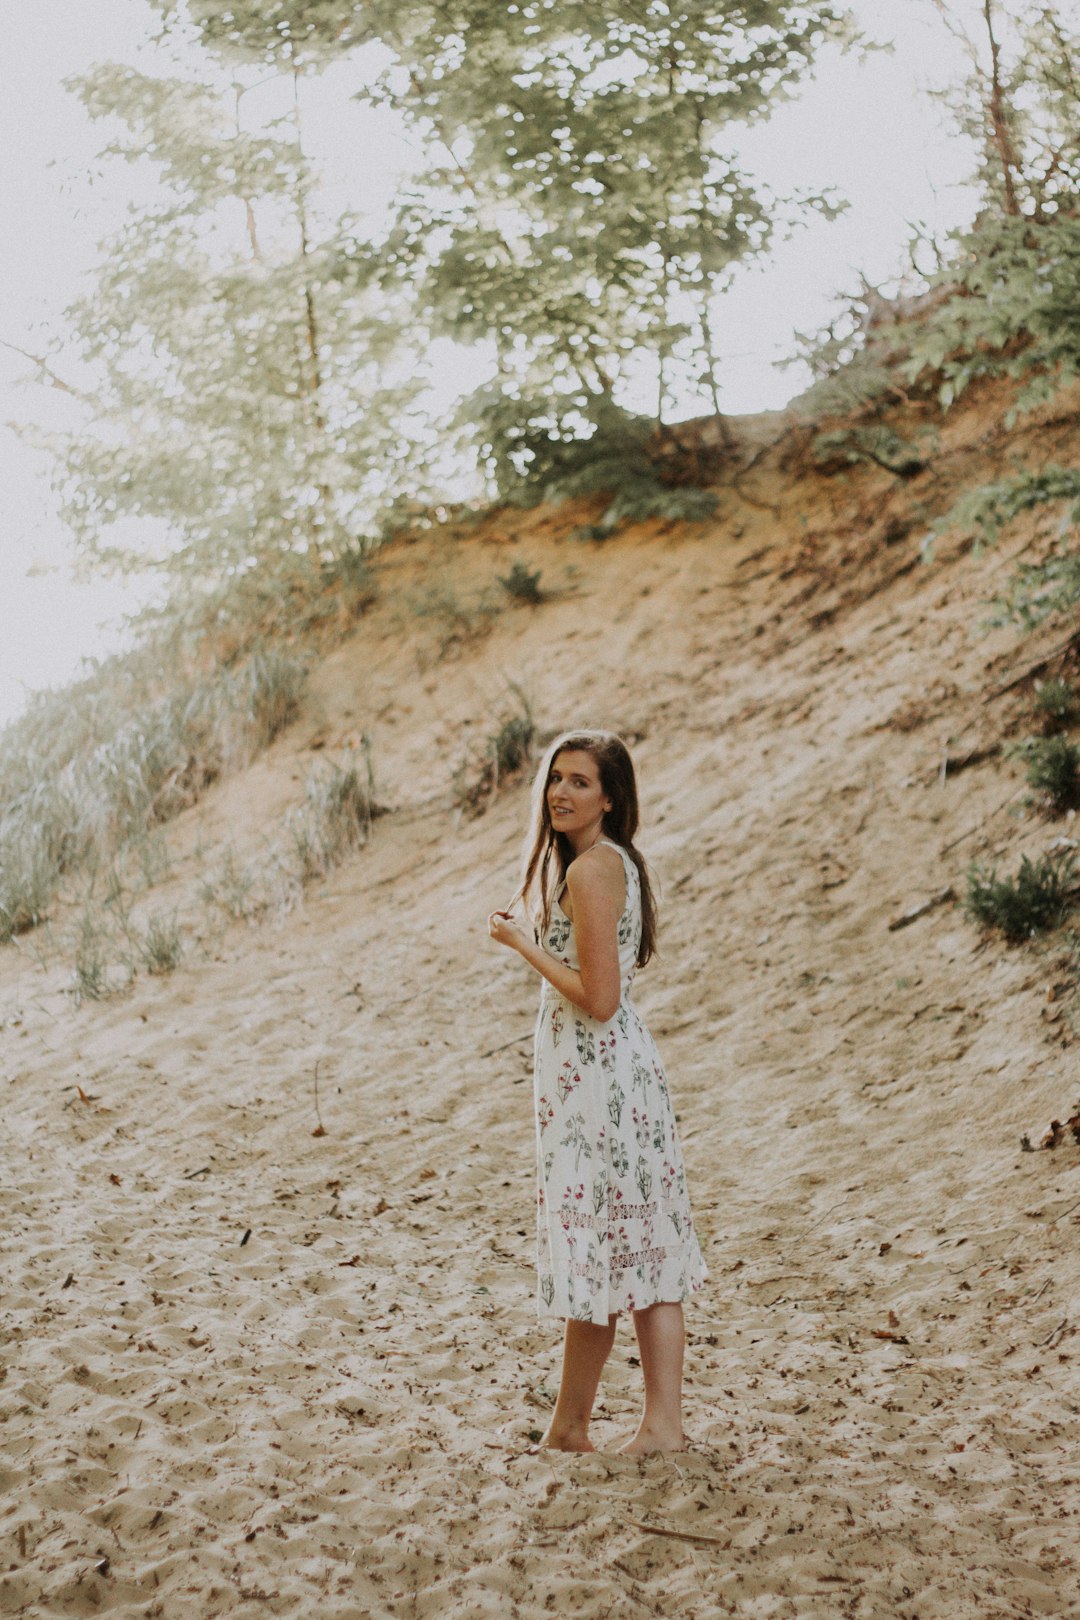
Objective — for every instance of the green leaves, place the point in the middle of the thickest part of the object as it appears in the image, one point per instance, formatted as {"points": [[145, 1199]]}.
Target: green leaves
{"points": [[578, 208], [257, 396]]}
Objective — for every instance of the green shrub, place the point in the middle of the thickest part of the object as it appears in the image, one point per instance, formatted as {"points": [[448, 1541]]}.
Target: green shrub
{"points": [[336, 817], [161, 946], [878, 443], [510, 745], [90, 967], [351, 575], [230, 888], [522, 584], [29, 873], [505, 751], [642, 498], [1056, 703], [270, 687], [1053, 770], [1036, 899], [566, 447]]}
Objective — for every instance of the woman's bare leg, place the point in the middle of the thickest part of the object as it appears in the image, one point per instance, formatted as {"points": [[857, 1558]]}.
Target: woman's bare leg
{"points": [[585, 1349], [661, 1337]]}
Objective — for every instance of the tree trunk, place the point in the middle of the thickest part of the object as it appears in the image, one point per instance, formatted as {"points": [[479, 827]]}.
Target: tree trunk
{"points": [[1010, 163], [312, 398]]}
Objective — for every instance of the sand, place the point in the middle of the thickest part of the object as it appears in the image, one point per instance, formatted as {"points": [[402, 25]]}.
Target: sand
{"points": [[255, 1366]]}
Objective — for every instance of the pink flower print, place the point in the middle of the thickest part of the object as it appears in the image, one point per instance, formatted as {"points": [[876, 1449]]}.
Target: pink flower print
{"points": [[545, 1113], [567, 1080]]}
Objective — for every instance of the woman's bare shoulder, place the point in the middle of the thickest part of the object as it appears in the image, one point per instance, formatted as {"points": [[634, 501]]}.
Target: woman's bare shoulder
{"points": [[599, 868]]}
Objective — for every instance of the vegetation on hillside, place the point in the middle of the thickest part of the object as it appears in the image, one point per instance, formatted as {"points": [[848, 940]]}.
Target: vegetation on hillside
{"points": [[263, 408], [89, 775], [1001, 302]]}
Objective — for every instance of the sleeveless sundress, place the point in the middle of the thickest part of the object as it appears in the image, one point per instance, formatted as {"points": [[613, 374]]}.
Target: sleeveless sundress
{"points": [[614, 1229]]}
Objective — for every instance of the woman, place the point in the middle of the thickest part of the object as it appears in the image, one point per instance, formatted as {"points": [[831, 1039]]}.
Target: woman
{"points": [[614, 1228]]}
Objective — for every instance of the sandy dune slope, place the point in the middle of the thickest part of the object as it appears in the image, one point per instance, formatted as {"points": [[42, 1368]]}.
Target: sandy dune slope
{"points": [[248, 1369]]}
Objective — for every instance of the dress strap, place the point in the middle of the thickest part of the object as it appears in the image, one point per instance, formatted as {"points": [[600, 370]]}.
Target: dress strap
{"points": [[611, 844], [630, 870]]}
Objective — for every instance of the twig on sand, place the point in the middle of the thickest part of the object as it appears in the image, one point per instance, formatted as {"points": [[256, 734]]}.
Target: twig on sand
{"points": [[814, 1224], [507, 1044], [979, 825], [1054, 1335], [680, 1535], [915, 912], [320, 1129]]}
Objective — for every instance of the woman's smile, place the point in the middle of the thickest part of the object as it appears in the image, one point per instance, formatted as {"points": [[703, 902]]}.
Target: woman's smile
{"points": [[575, 797]]}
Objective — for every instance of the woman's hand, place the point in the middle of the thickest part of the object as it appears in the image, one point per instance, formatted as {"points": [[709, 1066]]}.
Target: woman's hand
{"points": [[505, 929]]}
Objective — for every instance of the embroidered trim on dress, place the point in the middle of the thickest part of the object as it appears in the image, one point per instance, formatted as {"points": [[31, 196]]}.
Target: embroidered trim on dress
{"points": [[619, 1262]]}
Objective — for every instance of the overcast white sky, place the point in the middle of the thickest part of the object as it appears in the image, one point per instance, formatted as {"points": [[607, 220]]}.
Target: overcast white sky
{"points": [[867, 127]]}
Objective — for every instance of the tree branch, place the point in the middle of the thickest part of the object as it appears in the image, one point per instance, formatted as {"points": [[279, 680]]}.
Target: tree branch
{"points": [[54, 381]]}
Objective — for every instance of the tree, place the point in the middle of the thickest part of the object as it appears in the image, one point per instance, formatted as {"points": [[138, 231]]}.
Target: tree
{"points": [[581, 205], [1018, 104], [251, 387]]}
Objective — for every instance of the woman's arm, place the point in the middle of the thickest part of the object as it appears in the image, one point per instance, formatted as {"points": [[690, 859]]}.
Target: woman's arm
{"points": [[597, 885]]}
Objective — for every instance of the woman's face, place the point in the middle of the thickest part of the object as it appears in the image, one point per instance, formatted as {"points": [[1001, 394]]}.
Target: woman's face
{"points": [[575, 799]]}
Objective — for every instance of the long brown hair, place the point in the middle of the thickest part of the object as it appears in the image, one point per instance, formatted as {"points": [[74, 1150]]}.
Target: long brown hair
{"points": [[549, 852]]}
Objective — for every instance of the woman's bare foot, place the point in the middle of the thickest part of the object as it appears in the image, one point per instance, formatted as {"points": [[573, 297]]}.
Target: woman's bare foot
{"points": [[647, 1442], [553, 1441]]}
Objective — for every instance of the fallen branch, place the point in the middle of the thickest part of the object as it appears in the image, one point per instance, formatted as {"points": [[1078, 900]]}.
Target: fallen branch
{"points": [[942, 897]]}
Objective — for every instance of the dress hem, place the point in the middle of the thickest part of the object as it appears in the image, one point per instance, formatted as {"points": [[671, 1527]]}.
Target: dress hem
{"points": [[546, 1313]]}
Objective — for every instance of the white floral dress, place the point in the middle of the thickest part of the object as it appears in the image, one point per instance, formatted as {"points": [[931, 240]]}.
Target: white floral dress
{"points": [[614, 1229]]}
